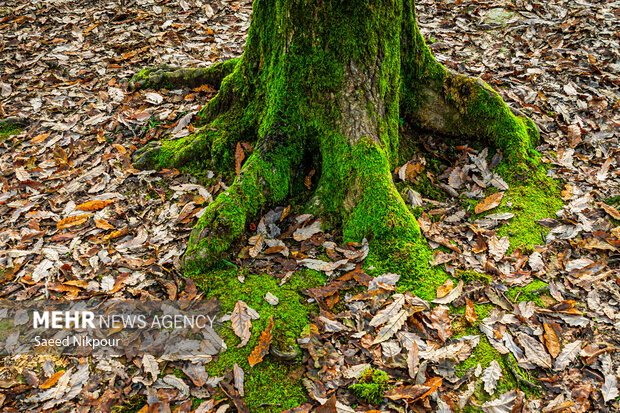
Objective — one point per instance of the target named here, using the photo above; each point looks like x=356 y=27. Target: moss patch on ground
x=7 y=129
x=412 y=262
x=536 y=291
x=371 y=386
x=273 y=382
x=529 y=201
x=483 y=354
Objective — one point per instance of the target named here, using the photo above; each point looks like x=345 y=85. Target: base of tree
x=331 y=96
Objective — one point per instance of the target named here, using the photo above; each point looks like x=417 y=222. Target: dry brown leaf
x=445 y=288
x=72 y=221
x=241 y=322
x=239 y=157
x=413 y=360
x=94 y=205
x=470 y=311
x=39 y=138
x=52 y=380
x=551 y=340
x=488 y=203
x=262 y=348
x=308 y=179
x=574 y=135
x=103 y=224
x=613 y=212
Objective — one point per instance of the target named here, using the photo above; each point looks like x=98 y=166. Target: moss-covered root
x=225 y=218
x=438 y=99
x=175 y=153
x=373 y=206
x=455 y=104
x=265 y=178
x=168 y=77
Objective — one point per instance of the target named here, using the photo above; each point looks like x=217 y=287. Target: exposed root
x=225 y=219
x=458 y=105
x=168 y=77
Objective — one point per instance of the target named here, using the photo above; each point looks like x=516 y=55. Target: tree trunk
x=329 y=81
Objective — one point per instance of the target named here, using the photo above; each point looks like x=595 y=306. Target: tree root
x=459 y=105
x=169 y=77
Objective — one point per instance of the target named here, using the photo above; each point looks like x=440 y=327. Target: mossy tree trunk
x=329 y=81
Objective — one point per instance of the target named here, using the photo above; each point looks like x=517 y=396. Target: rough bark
x=329 y=81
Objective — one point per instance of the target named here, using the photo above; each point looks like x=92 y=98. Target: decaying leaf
x=388 y=312
x=239 y=379
x=72 y=221
x=241 y=319
x=262 y=348
x=568 y=354
x=150 y=366
x=490 y=376
x=609 y=390
x=470 y=311
x=490 y=202
x=503 y=404
x=534 y=351
x=393 y=325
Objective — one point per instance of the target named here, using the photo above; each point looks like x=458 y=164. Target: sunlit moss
x=371 y=385
x=271 y=381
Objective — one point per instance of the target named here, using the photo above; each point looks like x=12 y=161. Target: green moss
x=471 y=275
x=411 y=262
x=534 y=291
x=130 y=405
x=270 y=381
x=371 y=385
x=530 y=201
x=7 y=129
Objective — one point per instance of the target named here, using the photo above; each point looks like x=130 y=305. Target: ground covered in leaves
x=520 y=311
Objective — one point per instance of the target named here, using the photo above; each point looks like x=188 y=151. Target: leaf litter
x=81 y=222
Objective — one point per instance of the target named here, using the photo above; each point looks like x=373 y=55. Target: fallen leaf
x=551 y=340
x=470 y=311
x=239 y=376
x=392 y=326
x=503 y=404
x=239 y=157
x=613 y=212
x=574 y=135
x=241 y=319
x=150 y=366
x=490 y=376
x=94 y=205
x=52 y=380
x=534 y=351
x=452 y=295
x=445 y=288
x=390 y=311
x=262 y=348
x=490 y=202
x=72 y=221
x=568 y=354
x=610 y=388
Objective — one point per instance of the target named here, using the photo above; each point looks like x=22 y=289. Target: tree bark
x=329 y=81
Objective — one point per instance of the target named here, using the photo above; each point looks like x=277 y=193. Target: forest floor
x=520 y=310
